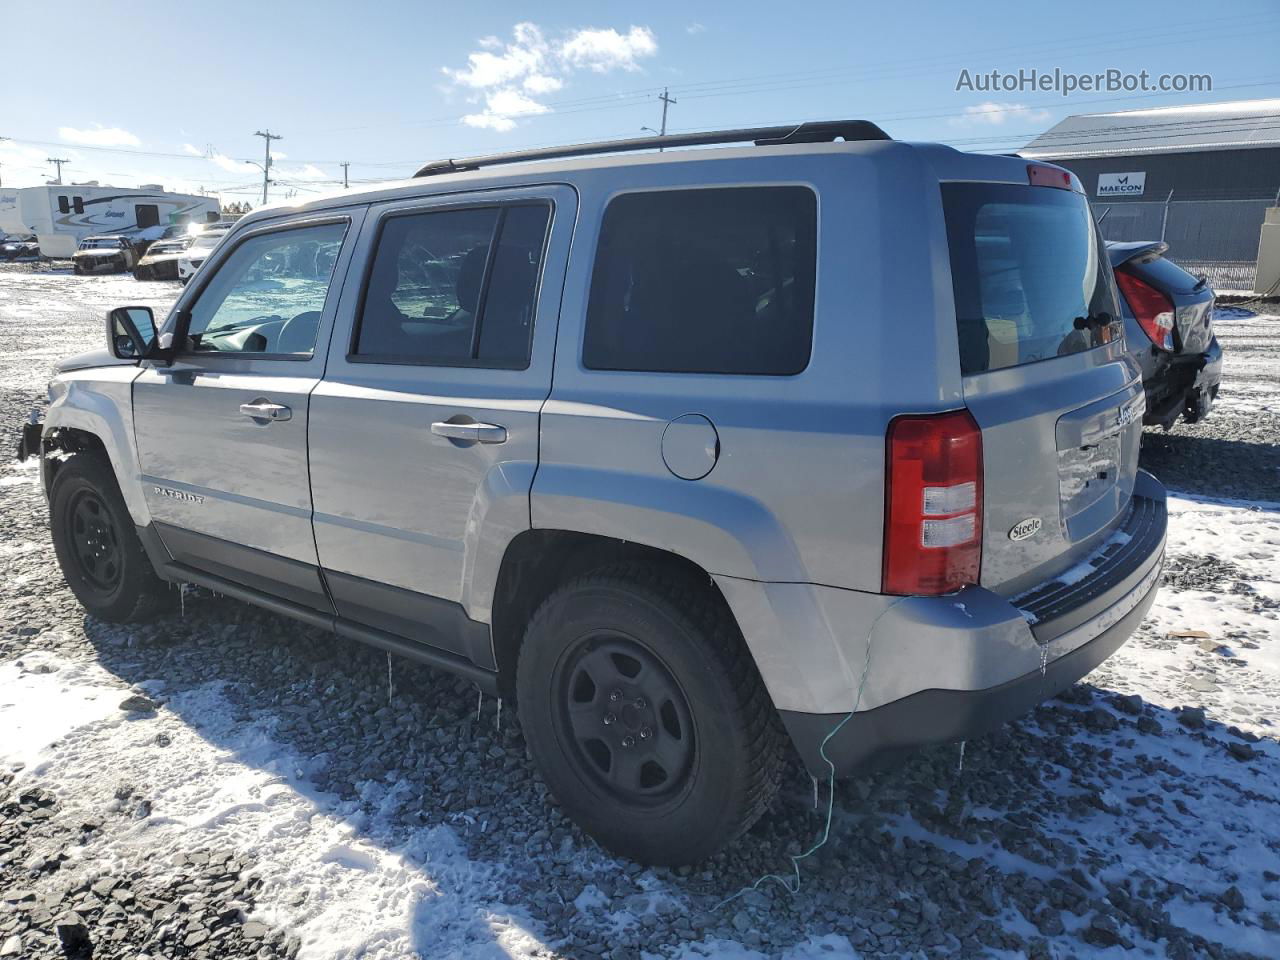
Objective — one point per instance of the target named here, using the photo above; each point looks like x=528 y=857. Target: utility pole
x=344 y=165
x=666 y=102
x=58 y=162
x=267 y=136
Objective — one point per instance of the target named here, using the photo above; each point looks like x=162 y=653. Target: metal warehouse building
x=1200 y=177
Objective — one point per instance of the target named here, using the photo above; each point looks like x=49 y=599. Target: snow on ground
x=226 y=783
x=403 y=820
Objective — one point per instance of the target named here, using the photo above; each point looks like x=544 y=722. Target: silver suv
x=822 y=439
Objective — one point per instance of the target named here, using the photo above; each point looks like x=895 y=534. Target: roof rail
x=822 y=131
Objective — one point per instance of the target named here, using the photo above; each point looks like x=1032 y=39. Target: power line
x=898 y=66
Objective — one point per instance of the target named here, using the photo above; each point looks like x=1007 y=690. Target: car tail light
x=933 y=504
x=1153 y=310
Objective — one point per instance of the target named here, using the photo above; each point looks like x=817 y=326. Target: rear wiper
x=1203 y=279
x=1100 y=319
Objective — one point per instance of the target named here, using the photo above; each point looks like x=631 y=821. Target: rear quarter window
x=704 y=281
x=1029 y=279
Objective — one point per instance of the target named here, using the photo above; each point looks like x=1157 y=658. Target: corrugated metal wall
x=1214 y=217
x=1203 y=175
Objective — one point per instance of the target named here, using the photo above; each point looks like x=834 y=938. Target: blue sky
x=172 y=93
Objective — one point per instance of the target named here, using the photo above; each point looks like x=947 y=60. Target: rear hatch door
x=1046 y=376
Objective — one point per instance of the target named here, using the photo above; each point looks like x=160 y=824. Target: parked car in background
x=628 y=437
x=105 y=254
x=1168 y=315
x=202 y=244
x=19 y=247
x=160 y=262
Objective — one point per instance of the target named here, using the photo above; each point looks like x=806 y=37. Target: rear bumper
x=1204 y=390
x=1184 y=385
x=873 y=738
x=955 y=667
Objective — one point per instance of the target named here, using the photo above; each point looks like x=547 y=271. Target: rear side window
x=455 y=287
x=1029 y=277
x=705 y=281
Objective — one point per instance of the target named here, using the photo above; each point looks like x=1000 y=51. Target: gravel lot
x=272 y=791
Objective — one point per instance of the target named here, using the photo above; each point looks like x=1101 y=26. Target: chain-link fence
x=1217 y=238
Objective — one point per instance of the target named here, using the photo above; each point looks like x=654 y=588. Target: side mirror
x=131 y=332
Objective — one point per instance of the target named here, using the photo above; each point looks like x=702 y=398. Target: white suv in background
x=200 y=248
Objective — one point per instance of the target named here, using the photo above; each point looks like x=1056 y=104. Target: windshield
x=1028 y=279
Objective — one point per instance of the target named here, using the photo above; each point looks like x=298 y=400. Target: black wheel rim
x=95 y=541
x=626 y=719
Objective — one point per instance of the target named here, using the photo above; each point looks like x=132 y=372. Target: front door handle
x=265 y=410
x=473 y=432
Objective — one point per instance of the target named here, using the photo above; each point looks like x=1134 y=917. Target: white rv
x=10 y=218
x=62 y=215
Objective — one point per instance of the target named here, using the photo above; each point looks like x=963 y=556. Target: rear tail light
x=933 y=504
x=1153 y=310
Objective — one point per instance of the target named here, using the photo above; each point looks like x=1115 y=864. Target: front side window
x=268 y=295
x=147 y=215
x=705 y=281
x=78 y=204
x=455 y=287
x=63 y=205
x=1031 y=281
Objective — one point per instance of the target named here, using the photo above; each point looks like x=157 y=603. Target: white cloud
x=508 y=77
x=193 y=150
x=489 y=121
x=993 y=114
x=695 y=28
x=523 y=57
x=307 y=172
x=541 y=83
x=605 y=50
x=226 y=163
x=99 y=136
x=501 y=106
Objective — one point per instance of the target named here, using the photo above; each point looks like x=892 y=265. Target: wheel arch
x=538 y=561
x=92 y=413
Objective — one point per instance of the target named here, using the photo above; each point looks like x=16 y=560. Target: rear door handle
x=265 y=410
x=473 y=432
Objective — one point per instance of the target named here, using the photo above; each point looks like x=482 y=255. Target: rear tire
x=646 y=716
x=102 y=559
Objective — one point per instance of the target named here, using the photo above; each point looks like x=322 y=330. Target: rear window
x=1029 y=282
x=1164 y=273
x=704 y=281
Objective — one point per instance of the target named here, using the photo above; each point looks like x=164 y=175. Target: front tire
x=645 y=714
x=102 y=559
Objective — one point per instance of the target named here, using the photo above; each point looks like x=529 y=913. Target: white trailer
x=62 y=215
x=10 y=218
